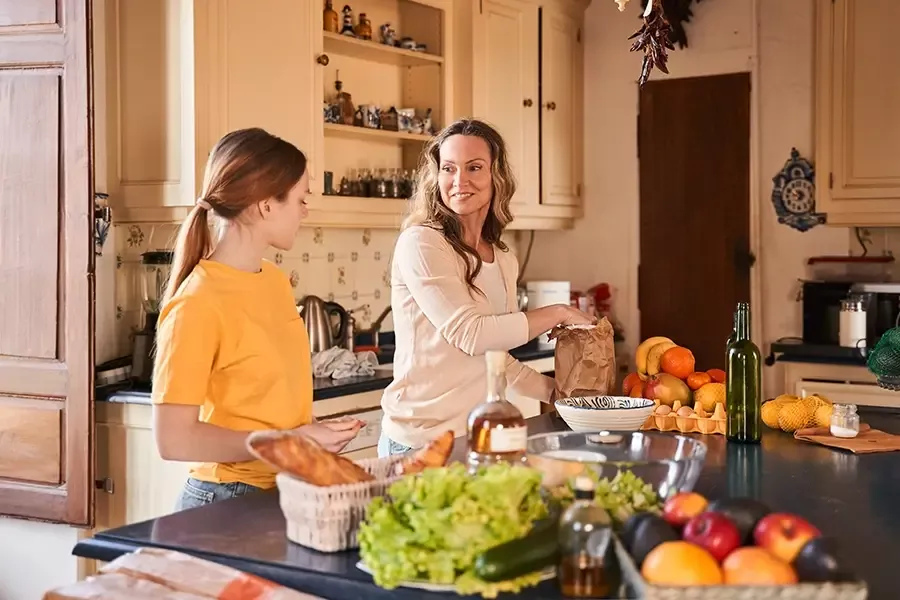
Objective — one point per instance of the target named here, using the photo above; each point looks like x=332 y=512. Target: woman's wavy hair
x=244 y=168
x=428 y=207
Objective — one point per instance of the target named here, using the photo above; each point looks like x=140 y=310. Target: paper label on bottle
x=509 y=439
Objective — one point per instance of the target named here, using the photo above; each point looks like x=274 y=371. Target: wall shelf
x=344 y=45
x=369 y=133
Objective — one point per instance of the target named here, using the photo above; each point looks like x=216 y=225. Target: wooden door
x=858 y=110
x=694 y=153
x=46 y=262
x=562 y=99
x=505 y=83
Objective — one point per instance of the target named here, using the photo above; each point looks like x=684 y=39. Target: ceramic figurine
x=364 y=28
x=390 y=120
x=388 y=35
x=426 y=123
x=329 y=18
x=347 y=29
x=359 y=117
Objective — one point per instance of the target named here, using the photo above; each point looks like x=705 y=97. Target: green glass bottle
x=743 y=383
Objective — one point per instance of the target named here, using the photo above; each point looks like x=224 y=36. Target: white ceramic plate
x=548 y=573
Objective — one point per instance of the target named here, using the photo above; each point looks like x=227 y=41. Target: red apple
x=784 y=535
x=713 y=532
x=682 y=507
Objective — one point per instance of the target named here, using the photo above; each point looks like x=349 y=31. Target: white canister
x=853 y=324
x=545 y=293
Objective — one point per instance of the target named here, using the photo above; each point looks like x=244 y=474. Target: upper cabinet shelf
x=367 y=133
x=344 y=45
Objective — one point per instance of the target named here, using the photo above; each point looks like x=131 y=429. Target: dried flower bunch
x=652 y=39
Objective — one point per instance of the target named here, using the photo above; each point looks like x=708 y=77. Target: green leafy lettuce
x=430 y=527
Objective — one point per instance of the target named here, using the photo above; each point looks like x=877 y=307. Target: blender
x=155 y=269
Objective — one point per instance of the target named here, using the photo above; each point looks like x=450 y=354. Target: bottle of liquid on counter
x=497 y=431
x=588 y=567
x=743 y=383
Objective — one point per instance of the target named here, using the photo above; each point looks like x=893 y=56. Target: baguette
x=305 y=459
x=115 y=586
x=435 y=454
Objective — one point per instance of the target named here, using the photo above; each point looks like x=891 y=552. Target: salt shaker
x=844 y=421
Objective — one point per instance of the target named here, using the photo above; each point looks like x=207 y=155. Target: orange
x=752 y=565
x=718 y=375
x=681 y=563
x=631 y=380
x=677 y=361
x=698 y=379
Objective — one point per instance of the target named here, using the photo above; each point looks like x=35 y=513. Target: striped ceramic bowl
x=598 y=413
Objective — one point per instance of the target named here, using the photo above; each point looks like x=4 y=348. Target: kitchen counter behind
x=323 y=388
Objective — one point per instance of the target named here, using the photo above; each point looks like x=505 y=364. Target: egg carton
x=693 y=423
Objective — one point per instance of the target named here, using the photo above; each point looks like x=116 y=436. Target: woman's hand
x=570 y=315
x=332 y=435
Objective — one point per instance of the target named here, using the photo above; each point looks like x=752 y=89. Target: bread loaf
x=305 y=459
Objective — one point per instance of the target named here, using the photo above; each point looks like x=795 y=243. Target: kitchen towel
x=868 y=441
x=340 y=363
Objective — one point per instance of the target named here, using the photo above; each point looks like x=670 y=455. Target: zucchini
x=536 y=551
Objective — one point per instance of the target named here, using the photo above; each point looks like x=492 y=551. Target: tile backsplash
x=349 y=266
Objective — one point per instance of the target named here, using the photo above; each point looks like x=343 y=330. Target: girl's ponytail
x=192 y=245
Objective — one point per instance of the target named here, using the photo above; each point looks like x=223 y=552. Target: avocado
x=745 y=513
x=649 y=533
x=629 y=528
x=820 y=560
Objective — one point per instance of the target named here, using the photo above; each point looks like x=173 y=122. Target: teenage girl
x=232 y=353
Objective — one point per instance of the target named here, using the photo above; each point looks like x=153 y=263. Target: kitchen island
x=850 y=497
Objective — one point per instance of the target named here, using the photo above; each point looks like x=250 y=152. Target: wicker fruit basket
x=637 y=587
x=684 y=419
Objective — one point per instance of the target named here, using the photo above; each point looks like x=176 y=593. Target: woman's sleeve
x=526 y=382
x=187 y=340
x=430 y=270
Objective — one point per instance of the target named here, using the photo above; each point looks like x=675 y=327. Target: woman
x=232 y=353
x=453 y=292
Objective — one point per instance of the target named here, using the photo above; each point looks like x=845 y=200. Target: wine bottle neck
x=742 y=325
x=496 y=391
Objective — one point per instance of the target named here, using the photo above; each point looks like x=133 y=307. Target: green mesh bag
x=884 y=359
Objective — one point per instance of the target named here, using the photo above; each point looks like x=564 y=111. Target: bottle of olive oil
x=743 y=383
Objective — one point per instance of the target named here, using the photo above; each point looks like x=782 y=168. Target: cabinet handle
x=550 y=105
x=527 y=102
x=322 y=60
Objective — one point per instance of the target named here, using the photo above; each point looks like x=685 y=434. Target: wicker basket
x=327 y=518
x=638 y=587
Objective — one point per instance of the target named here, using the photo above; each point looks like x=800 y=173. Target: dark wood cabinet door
x=46 y=262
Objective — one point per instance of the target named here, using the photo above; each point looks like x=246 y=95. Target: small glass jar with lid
x=844 y=421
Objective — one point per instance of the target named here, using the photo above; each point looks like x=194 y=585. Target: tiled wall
x=349 y=266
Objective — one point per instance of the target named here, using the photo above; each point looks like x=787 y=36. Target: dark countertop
x=850 y=497
x=323 y=388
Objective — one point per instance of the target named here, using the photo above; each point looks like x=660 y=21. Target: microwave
x=821 y=302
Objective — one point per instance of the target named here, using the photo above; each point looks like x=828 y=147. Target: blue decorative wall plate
x=794 y=194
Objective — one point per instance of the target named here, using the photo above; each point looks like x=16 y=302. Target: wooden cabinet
x=858 y=112
x=839 y=383
x=176 y=75
x=520 y=69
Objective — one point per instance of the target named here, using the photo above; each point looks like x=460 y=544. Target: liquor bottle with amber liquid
x=588 y=567
x=496 y=428
x=743 y=383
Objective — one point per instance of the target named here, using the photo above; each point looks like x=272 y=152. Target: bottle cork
x=496 y=361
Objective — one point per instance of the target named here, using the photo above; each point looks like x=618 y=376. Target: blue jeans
x=199 y=493
x=388 y=447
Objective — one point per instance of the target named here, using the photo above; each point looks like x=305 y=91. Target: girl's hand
x=332 y=435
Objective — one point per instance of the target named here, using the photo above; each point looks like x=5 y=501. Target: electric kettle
x=318 y=315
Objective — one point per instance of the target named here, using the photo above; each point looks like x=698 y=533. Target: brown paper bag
x=585 y=360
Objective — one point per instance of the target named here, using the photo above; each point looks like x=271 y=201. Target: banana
x=655 y=354
x=640 y=355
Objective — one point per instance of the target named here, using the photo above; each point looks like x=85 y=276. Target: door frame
x=756 y=200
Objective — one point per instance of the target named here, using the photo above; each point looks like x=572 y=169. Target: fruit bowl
x=670 y=463
x=593 y=413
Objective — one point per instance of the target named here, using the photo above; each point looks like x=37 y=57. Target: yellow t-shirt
x=232 y=343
